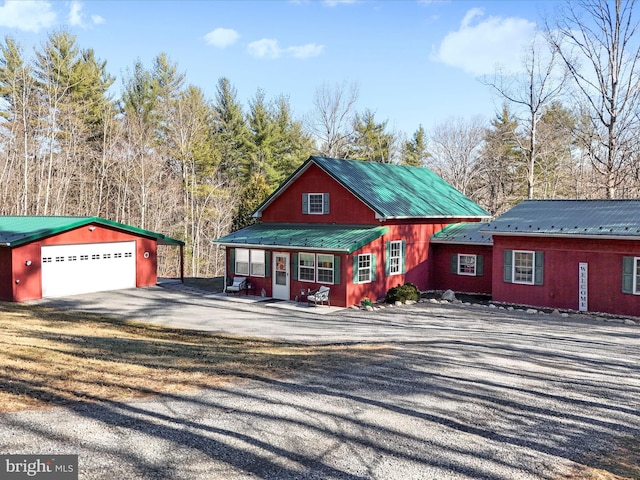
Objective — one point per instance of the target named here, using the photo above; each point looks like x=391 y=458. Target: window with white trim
x=325 y=268
x=257 y=263
x=636 y=283
x=316 y=202
x=523 y=267
x=242 y=261
x=395 y=257
x=364 y=268
x=466 y=264
x=306 y=265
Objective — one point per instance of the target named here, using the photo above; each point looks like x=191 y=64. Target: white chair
x=238 y=284
x=319 y=296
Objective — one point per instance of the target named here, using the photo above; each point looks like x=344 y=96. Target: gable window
x=315 y=203
x=306 y=262
x=242 y=261
x=524 y=267
x=364 y=268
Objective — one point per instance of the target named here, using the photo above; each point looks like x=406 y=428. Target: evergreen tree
x=414 y=151
x=371 y=142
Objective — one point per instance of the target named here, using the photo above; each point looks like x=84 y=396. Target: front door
x=281 y=276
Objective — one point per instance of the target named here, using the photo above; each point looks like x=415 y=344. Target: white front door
x=281 y=276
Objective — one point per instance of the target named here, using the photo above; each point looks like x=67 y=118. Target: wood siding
x=443 y=279
x=559 y=288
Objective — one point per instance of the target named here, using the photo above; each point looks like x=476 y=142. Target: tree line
x=164 y=157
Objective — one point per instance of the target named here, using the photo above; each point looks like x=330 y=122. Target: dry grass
x=618 y=463
x=50 y=357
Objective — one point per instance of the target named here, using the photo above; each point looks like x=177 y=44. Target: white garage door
x=84 y=268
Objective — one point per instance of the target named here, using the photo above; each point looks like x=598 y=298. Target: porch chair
x=237 y=285
x=319 y=296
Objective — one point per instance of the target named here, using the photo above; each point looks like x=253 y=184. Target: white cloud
x=75 y=14
x=333 y=3
x=27 y=15
x=222 y=37
x=97 y=19
x=479 y=48
x=270 y=48
x=265 y=48
x=306 y=51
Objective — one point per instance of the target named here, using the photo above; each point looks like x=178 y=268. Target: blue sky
x=415 y=62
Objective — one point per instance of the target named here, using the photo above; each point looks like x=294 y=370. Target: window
x=631 y=275
x=84 y=257
x=395 y=258
x=325 y=268
x=306 y=262
x=242 y=261
x=522 y=266
x=466 y=264
x=257 y=263
x=364 y=268
x=315 y=203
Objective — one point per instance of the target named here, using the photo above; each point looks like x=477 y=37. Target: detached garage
x=61 y=256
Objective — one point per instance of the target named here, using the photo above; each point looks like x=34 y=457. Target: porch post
x=181 y=263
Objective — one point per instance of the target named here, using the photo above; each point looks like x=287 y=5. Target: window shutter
x=355 y=269
x=627 y=274
x=325 y=203
x=336 y=270
x=538 y=273
x=232 y=261
x=387 y=259
x=479 y=265
x=294 y=266
x=403 y=254
x=508 y=263
x=305 y=203
x=453 y=263
x=267 y=263
x=373 y=267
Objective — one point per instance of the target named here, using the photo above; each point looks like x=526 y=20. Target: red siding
x=560 y=284
x=344 y=207
x=443 y=279
x=29 y=286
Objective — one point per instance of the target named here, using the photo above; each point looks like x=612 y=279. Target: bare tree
x=456 y=147
x=608 y=86
x=532 y=91
x=332 y=124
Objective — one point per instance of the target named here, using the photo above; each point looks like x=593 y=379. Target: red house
x=568 y=254
x=358 y=227
x=60 y=256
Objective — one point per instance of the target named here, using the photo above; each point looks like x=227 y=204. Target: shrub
x=402 y=293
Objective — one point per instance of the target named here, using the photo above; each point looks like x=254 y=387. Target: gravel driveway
x=466 y=392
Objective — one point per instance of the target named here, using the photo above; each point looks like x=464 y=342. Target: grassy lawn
x=50 y=357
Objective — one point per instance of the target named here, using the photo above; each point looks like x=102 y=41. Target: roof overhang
x=562 y=235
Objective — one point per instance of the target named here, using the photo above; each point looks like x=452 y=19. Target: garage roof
x=319 y=237
x=467 y=233
x=570 y=218
x=19 y=230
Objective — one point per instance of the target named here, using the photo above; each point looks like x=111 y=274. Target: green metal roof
x=392 y=191
x=465 y=232
x=317 y=237
x=19 y=230
x=571 y=218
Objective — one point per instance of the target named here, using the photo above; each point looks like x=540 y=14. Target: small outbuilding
x=58 y=256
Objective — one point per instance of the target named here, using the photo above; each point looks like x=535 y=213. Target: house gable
x=344 y=206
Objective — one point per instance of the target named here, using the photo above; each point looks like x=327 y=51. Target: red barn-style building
x=568 y=254
x=60 y=256
x=357 y=227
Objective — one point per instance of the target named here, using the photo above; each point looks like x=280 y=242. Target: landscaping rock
x=491 y=305
x=511 y=309
x=532 y=310
x=628 y=321
x=409 y=302
x=564 y=315
x=368 y=308
x=449 y=296
x=433 y=300
x=398 y=303
x=556 y=311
